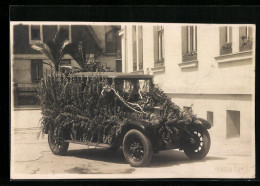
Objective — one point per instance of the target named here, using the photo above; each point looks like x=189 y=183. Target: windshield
x=133 y=89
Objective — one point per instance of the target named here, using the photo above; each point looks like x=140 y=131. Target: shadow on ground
x=173 y=157
x=99 y=155
x=163 y=159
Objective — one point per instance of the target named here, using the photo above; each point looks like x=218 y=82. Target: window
x=245 y=38
x=225 y=35
x=65 y=31
x=111 y=41
x=159 y=45
x=140 y=47
x=35 y=33
x=36 y=70
x=134 y=49
x=233 y=123
x=189 y=43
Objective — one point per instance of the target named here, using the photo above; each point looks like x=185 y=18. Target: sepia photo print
x=95 y=100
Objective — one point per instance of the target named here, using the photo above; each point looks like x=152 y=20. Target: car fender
x=143 y=126
x=203 y=123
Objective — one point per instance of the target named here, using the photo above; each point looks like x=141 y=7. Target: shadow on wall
x=190 y=69
x=236 y=63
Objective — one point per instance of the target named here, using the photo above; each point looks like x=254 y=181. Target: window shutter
x=162 y=44
x=156 y=42
x=250 y=31
x=191 y=38
x=196 y=35
x=184 y=39
x=140 y=48
x=222 y=36
x=242 y=31
x=230 y=34
x=134 y=48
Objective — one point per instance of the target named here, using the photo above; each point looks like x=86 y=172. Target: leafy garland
x=93 y=111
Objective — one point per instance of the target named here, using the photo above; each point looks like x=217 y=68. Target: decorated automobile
x=113 y=110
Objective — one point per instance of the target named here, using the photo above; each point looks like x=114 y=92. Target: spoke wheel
x=199 y=144
x=137 y=148
x=56 y=142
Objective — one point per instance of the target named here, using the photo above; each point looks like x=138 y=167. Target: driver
x=135 y=92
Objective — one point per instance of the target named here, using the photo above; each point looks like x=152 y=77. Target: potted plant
x=189 y=56
x=246 y=43
x=226 y=48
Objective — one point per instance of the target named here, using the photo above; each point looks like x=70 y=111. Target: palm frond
x=44 y=48
x=62 y=51
x=78 y=52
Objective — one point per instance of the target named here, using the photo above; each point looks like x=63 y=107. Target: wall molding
x=238 y=56
x=158 y=69
x=188 y=64
x=34 y=56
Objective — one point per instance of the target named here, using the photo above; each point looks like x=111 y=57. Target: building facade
x=208 y=67
x=28 y=65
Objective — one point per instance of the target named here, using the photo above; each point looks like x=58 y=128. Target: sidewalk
x=24 y=118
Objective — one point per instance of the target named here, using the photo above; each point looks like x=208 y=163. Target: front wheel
x=56 y=142
x=199 y=143
x=137 y=149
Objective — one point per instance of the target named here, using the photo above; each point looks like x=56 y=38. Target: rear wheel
x=56 y=142
x=137 y=149
x=199 y=143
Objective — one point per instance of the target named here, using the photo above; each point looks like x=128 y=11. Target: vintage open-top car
x=112 y=109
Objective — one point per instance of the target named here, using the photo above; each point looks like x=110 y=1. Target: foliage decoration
x=94 y=111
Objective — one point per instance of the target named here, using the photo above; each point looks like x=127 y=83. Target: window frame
x=190 y=53
x=69 y=30
x=114 y=42
x=226 y=48
x=32 y=41
x=159 y=46
x=140 y=47
x=134 y=47
x=249 y=39
x=37 y=62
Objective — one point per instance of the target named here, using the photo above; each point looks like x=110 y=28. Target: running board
x=88 y=143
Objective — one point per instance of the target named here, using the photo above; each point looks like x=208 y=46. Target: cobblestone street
x=32 y=158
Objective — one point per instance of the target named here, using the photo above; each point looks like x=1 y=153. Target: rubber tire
x=63 y=148
x=148 y=149
x=205 y=148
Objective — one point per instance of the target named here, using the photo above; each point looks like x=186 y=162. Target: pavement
x=31 y=158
